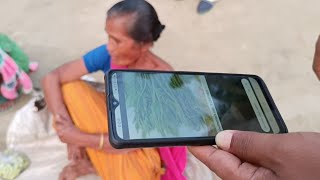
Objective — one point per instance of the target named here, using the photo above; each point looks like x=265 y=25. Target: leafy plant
x=162 y=102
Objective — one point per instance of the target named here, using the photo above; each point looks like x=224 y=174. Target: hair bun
x=157 y=31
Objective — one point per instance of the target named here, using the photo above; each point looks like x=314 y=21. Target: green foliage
x=164 y=103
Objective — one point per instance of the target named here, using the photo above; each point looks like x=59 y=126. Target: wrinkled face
x=123 y=49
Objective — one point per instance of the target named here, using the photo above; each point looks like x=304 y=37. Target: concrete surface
x=273 y=39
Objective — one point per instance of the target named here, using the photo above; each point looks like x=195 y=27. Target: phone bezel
x=120 y=143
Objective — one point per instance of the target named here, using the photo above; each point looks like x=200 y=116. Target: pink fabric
x=174 y=158
x=113 y=66
x=13 y=77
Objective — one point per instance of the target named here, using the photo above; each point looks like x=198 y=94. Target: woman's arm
x=52 y=82
x=51 y=85
x=67 y=132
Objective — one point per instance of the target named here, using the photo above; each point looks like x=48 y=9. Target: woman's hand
x=70 y=134
x=66 y=130
x=76 y=153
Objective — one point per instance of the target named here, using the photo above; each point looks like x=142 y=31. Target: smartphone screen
x=152 y=105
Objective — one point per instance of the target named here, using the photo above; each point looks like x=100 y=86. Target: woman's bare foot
x=77 y=169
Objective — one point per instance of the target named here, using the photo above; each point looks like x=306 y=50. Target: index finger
x=217 y=160
x=224 y=164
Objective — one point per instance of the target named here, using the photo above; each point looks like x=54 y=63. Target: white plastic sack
x=29 y=125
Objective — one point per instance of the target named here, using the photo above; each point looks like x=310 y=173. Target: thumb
x=58 y=119
x=256 y=148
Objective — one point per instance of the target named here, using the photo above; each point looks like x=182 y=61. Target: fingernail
x=223 y=139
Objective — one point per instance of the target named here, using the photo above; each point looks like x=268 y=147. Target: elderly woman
x=80 y=114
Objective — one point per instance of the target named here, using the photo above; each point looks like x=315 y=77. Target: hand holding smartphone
x=161 y=108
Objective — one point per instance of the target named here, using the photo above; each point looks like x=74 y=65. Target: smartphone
x=161 y=108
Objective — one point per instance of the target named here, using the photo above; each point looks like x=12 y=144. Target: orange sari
x=87 y=108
